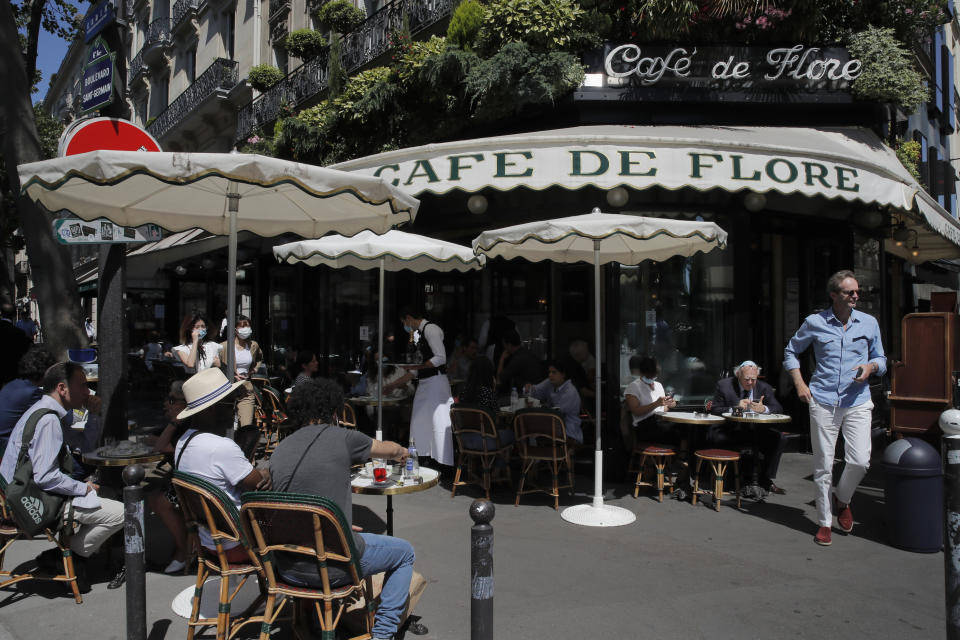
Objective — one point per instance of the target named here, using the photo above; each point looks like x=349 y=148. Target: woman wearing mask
x=247 y=356
x=195 y=351
x=645 y=398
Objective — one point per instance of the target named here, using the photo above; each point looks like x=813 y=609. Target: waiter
x=430 y=421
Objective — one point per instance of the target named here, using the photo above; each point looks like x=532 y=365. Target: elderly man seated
x=746 y=391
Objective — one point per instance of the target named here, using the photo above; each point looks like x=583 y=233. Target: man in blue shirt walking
x=847 y=347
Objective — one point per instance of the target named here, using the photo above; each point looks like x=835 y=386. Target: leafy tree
x=465 y=24
x=52 y=267
x=264 y=76
x=341 y=16
x=543 y=25
x=889 y=74
x=306 y=44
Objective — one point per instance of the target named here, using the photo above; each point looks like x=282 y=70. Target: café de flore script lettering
x=797 y=62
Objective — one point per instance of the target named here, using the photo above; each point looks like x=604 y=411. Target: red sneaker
x=844 y=516
x=823 y=537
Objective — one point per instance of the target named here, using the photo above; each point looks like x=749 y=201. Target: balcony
x=136 y=69
x=156 y=40
x=358 y=48
x=278 y=9
x=220 y=77
x=184 y=13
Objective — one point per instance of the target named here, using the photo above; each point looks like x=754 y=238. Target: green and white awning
x=844 y=164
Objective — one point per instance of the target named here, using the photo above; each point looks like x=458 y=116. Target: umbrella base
x=602 y=515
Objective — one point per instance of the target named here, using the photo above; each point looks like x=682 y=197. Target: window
x=280 y=58
x=229 y=37
x=191 y=65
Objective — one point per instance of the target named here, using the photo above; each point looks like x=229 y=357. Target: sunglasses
x=851 y=292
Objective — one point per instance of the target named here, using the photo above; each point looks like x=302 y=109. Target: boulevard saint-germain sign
x=790 y=73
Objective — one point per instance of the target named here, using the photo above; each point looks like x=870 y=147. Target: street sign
x=102 y=231
x=96 y=19
x=98 y=74
x=115 y=134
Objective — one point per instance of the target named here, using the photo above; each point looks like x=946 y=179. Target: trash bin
x=914 y=495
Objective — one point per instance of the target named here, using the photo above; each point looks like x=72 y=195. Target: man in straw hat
x=315 y=459
x=216 y=459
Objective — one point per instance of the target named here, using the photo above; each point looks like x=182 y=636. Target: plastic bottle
x=411 y=471
x=514 y=398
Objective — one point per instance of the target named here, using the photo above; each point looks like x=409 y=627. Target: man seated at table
x=558 y=392
x=64 y=389
x=315 y=459
x=746 y=391
x=518 y=365
x=22 y=392
x=218 y=460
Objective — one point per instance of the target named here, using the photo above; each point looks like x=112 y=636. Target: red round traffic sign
x=97 y=134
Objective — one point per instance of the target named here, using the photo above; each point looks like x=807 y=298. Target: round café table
x=391 y=487
x=753 y=490
x=97 y=460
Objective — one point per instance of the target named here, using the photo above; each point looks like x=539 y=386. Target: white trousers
x=826 y=423
x=96 y=525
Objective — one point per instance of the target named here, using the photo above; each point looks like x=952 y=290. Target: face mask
x=203 y=333
x=647 y=380
x=244 y=332
x=407 y=329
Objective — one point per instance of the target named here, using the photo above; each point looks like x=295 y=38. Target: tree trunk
x=50 y=261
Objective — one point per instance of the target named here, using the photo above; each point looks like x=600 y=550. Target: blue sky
x=50 y=52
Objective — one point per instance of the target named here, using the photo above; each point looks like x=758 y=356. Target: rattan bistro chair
x=477 y=437
x=312 y=528
x=347 y=416
x=205 y=505
x=272 y=417
x=10 y=533
x=542 y=439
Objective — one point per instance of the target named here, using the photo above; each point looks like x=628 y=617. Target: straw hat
x=205 y=389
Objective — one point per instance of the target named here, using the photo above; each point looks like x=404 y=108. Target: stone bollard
x=481 y=571
x=133 y=545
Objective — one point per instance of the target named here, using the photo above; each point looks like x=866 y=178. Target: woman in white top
x=645 y=398
x=196 y=353
x=248 y=356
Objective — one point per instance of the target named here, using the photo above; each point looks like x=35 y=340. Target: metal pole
x=380 y=361
x=481 y=570
x=133 y=544
x=233 y=206
x=598 y=453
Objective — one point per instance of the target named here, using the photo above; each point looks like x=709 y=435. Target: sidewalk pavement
x=679 y=571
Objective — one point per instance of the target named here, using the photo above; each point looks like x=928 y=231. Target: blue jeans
x=395 y=557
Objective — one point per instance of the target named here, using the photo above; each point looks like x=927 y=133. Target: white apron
x=430 y=420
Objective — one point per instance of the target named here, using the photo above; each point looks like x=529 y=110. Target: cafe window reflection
x=677 y=311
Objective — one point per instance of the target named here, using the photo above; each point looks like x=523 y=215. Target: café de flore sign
x=98 y=75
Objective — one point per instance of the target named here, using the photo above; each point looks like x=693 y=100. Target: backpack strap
x=176 y=463
x=64 y=458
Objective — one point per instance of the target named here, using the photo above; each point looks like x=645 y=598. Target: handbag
x=32 y=508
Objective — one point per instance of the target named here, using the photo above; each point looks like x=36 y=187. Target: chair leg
x=268 y=616
x=556 y=490
x=523 y=477
x=223 y=609
x=736 y=480
x=70 y=572
x=456 y=479
x=659 y=462
x=636 y=485
x=486 y=476
x=195 y=607
x=696 y=482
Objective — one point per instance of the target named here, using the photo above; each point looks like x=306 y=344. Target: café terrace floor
x=679 y=571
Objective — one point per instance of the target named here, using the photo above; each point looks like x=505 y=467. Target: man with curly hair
x=20 y=393
x=315 y=459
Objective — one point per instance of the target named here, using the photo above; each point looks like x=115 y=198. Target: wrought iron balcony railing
x=278 y=8
x=181 y=10
x=158 y=32
x=358 y=48
x=135 y=68
x=220 y=75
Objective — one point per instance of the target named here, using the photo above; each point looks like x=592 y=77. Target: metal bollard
x=133 y=545
x=481 y=571
x=950 y=454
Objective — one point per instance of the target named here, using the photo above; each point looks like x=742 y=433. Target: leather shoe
x=844 y=516
x=118 y=579
x=823 y=537
x=773 y=488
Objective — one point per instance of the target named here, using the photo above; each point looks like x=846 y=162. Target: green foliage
x=305 y=44
x=263 y=76
x=336 y=73
x=350 y=104
x=664 y=19
x=259 y=143
x=517 y=77
x=413 y=57
x=341 y=16
x=542 y=25
x=908 y=152
x=49 y=130
x=889 y=74
x=465 y=24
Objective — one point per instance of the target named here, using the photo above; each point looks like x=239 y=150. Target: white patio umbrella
x=600 y=238
x=185 y=190
x=392 y=251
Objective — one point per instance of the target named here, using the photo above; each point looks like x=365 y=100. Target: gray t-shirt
x=325 y=469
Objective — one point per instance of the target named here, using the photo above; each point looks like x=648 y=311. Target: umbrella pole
x=380 y=360
x=233 y=206
x=598 y=453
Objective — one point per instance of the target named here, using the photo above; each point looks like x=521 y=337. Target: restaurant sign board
x=794 y=72
x=102 y=231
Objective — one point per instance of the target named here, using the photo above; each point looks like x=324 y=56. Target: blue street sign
x=97 y=89
x=96 y=51
x=96 y=19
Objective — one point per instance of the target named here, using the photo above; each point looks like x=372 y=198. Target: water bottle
x=514 y=399
x=412 y=470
